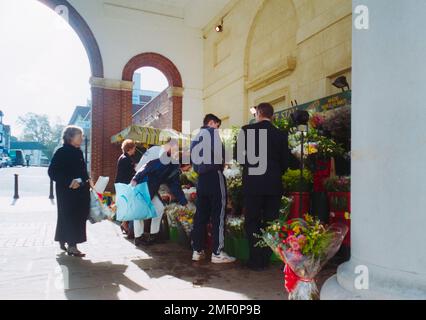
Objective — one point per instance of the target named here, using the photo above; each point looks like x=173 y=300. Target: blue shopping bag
x=133 y=203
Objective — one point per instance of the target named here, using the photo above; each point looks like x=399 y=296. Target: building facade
x=274 y=51
x=32 y=150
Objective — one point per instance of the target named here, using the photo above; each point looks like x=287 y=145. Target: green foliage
x=284 y=124
x=37 y=127
x=293 y=182
x=327 y=147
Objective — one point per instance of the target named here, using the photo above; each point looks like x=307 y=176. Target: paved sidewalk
x=33 y=267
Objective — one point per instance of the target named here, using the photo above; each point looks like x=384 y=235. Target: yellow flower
x=347 y=216
x=312 y=149
x=296 y=229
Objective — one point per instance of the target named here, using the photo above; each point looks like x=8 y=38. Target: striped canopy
x=146 y=135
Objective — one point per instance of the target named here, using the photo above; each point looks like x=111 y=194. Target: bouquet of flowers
x=189 y=178
x=101 y=207
x=234 y=184
x=315 y=144
x=180 y=215
x=285 y=206
x=190 y=194
x=235 y=226
x=304 y=245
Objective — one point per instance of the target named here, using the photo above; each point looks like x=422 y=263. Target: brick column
x=96 y=132
x=176 y=100
x=111 y=113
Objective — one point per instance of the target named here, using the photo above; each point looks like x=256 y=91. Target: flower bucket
x=229 y=245
x=294 y=209
x=339 y=201
x=183 y=238
x=241 y=248
x=173 y=234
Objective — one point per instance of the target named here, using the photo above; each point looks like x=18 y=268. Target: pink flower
x=295 y=246
x=302 y=240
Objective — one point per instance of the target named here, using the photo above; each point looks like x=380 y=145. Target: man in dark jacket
x=207 y=157
x=262 y=149
x=157 y=172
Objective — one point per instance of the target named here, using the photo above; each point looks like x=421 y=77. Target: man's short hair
x=211 y=117
x=266 y=110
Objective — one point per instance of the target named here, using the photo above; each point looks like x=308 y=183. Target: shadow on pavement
x=172 y=260
x=86 y=280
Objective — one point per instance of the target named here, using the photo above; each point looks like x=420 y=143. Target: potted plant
x=338 y=190
x=298 y=188
x=338 y=124
x=236 y=243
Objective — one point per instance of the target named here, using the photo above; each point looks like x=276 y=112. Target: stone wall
x=274 y=51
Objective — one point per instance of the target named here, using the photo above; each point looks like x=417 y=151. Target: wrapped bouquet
x=180 y=215
x=304 y=245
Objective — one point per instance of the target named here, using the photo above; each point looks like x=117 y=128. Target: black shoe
x=73 y=251
x=62 y=246
x=139 y=241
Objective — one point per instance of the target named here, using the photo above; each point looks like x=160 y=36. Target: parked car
x=5 y=162
x=17 y=157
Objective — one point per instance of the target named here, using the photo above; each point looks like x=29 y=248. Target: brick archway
x=170 y=71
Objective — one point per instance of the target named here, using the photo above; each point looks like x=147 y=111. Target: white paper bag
x=101 y=184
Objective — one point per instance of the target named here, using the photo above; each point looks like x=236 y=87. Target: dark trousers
x=259 y=210
x=211 y=205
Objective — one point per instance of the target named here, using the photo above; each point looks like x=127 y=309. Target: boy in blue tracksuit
x=207 y=157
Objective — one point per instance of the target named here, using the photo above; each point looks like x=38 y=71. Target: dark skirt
x=73 y=211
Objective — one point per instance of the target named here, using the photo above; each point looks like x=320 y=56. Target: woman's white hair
x=70 y=132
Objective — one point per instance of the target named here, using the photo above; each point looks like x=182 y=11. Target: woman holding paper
x=68 y=169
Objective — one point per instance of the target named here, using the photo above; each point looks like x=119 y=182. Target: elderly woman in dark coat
x=68 y=169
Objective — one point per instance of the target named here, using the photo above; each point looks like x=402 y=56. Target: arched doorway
x=82 y=29
x=174 y=79
x=80 y=26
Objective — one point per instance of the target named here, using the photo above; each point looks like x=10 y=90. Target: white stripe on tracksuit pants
x=211 y=206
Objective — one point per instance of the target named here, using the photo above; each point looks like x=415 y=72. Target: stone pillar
x=389 y=152
x=111 y=112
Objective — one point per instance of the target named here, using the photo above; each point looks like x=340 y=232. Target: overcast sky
x=44 y=67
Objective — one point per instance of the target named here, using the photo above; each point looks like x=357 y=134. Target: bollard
x=51 y=196
x=16 y=195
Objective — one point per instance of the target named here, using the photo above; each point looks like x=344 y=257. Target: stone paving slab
x=33 y=267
